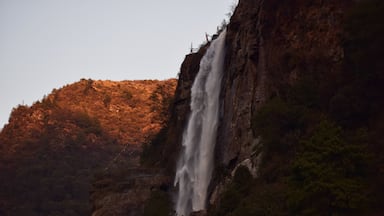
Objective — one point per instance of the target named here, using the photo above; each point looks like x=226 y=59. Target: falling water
x=196 y=163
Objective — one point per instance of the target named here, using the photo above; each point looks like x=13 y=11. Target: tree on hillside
x=328 y=173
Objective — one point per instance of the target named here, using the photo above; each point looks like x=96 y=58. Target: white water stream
x=195 y=166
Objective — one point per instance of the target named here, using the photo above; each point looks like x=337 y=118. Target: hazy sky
x=45 y=44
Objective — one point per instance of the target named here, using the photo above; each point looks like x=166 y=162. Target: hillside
x=51 y=150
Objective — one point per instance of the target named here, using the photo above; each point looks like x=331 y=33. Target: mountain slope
x=51 y=150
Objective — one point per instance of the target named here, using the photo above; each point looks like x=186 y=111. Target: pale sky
x=45 y=44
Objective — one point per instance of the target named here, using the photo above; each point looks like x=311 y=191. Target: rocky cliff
x=270 y=45
x=290 y=71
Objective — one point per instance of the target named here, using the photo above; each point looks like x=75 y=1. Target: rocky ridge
x=50 y=151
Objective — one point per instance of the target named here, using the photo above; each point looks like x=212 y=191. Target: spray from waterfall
x=195 y=166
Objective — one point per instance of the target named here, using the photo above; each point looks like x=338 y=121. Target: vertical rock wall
x=243 y=84
x=269 y=45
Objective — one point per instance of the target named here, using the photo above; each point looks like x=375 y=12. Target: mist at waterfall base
x=195 y=166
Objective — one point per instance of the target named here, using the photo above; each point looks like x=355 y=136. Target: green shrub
x=326 y=174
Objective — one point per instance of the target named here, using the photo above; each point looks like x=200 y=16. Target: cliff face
x=270 y=45
x=293 y=79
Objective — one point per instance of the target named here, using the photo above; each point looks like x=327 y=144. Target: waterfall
x=195 y=166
